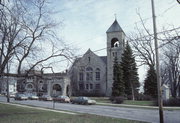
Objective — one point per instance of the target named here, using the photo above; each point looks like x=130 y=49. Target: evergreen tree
x=130 y=74
x=118 y=84
x=150 y=83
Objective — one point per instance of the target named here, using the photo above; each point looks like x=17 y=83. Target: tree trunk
x=132 y=89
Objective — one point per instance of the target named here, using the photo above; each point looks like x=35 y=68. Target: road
x=148 y=115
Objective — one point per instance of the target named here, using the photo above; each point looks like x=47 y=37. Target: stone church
x=89 y=75
x=92 y=75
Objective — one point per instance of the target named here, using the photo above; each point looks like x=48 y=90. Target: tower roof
x=115 y=27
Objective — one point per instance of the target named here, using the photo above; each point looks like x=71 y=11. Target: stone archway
x=29 y=87
x=56 y=90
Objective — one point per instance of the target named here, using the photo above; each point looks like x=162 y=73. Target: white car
x=33 y=97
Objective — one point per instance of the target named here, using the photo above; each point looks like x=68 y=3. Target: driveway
x=148 y=115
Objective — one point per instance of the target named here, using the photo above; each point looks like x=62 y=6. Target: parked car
x=20 y=97
x=33 y=97
x=12 y=95
x=46 y=98
x=83 y=100
x=64 y=99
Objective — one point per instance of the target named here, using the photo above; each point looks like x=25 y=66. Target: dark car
x=83 y=100
x=20 y=97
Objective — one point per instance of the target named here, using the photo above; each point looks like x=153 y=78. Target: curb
x=45 y=109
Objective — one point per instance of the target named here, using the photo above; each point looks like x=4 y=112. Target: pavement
x=130 y=113
x=139 y=106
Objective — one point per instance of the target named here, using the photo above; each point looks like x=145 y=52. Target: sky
x=85 y=22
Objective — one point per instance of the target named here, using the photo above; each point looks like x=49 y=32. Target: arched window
x=97 y=74
x=29 y=86
x=89 y=74
x=57 y=87
x=114 y=42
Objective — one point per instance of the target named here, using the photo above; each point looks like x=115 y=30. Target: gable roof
x=104 y=59
x=115 y=27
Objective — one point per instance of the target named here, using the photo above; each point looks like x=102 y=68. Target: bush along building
x=92 y=75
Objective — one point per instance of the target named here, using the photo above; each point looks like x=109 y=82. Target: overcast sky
x=85 y=22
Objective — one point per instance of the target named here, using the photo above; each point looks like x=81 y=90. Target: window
x=87 y=86
x=81 y=76
x=91 y=86
x=89 y=59
x=81 y=87
x=97 y=86
x=89 y=74
x=97 y=74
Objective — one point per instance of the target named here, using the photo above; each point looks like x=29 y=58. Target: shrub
x=118 y=100
x=169 y=102
x=129 y=97
x=111 y=98
x=143 y=97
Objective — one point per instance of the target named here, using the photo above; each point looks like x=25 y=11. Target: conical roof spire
x=115 y=27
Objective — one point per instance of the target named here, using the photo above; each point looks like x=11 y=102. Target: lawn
x=128 y=102
x=101 y=99
x=142 y=103
x=16 y=114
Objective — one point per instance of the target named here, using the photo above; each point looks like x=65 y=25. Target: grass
x=101 y=99
x=141 y=103
x=16 y=114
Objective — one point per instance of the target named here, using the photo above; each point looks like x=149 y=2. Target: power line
x=105 y=48
x=145 y=19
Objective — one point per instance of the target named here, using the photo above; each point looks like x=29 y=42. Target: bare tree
x=27 y=34
x=143 y=46
x=171 y=66
x=169 y=40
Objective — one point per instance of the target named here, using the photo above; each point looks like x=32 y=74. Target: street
x=148 y=115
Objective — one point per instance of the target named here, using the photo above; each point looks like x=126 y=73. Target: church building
x=92 y=75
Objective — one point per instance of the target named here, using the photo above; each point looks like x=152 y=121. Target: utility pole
x=157 y=66
x=8 y=99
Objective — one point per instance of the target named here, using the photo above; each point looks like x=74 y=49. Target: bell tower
x=115 y=48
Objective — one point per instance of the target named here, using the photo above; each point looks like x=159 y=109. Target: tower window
x=114 y=42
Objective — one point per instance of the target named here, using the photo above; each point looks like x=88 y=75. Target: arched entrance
x=57 y=90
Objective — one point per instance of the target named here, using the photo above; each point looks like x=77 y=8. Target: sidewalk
x=45 y=109
x=138 y=106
